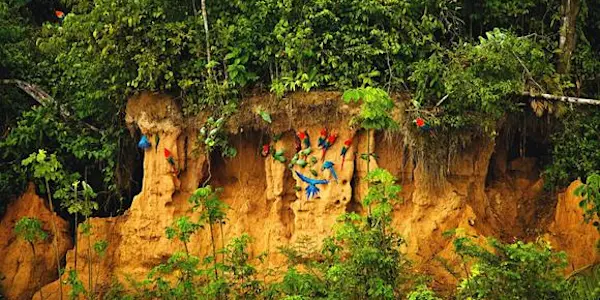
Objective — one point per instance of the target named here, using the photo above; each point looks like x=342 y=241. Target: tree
x=569 y=10
x=212 y=211
x=49 y=169
x=511 y=271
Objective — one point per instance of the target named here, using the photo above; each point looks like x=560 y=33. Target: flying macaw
x=322 y=137
x=266 y=149
x=329 y=166
x=60 y=15
x=311 y=190
x=345 y=148
x=171 y=161
x=328 y=143
x=144 y=143
x=423 y=125
x=304 y=138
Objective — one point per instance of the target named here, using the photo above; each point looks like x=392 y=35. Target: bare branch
x=567 y=99
x=43 y=98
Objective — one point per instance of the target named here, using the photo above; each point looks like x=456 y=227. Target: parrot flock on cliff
x=303 y=158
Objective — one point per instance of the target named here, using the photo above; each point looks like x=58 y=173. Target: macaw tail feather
x=311 y=191
x=343 y=160
x=171 y=161
x=323 y=154
x=333 y=174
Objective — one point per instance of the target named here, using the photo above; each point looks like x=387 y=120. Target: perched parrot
x=266 y=149
x=60 y=15
x=301 y=162
x=423 y=125
x=328 y=143
x=304 y=153
x=144 y=143
x=322 y=137
x=329 y=166
x=304 y=138
x=278 y=155
x=311 y=189
x=345 y=148
x=171 y=161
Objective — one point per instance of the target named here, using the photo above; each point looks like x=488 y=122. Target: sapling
x=212 y=212
x=182 y=230
x=49 y=169
x=87 y=208
x=30 y=230
x=374 y=113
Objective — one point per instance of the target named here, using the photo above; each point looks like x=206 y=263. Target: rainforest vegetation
x=468 y=67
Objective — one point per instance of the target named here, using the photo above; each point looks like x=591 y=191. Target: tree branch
x=567 y=99
x=43 y=98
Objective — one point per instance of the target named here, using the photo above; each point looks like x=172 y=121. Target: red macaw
x=345 y=148
x=423 y=125
x=322 y=137
x=266 y=149
x=171 y=161
x=304 y=138
x=328 y=143
x=60 y=15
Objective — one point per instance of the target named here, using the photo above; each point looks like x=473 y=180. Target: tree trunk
x=55 y=242
x=207 y=35
x=569 y=10
x=33 y=268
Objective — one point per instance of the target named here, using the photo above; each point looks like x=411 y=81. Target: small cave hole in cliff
x=354 y=206
x=522 y=147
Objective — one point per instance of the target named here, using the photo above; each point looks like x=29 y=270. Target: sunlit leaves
x=30 y=230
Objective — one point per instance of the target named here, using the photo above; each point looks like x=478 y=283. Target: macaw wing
x=311 y=180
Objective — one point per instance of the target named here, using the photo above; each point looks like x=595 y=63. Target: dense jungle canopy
x=466 y=66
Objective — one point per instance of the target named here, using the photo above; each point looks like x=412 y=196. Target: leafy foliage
x=30 y=230
x=361 y=261
x=375 y=108
x=590 y=202
x=574 y=152
x=511 y=271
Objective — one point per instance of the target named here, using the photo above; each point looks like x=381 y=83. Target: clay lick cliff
x=268 y=201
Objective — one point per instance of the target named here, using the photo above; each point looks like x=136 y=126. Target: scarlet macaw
x=144 y=143
x=266 y=149
x=328 y=143
x=345 y=148
x=60 y=15
x=322 y=137
x=171 y=161
x=329 y=166
x=423 y=125
x=311 y=190
x=304 y=138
